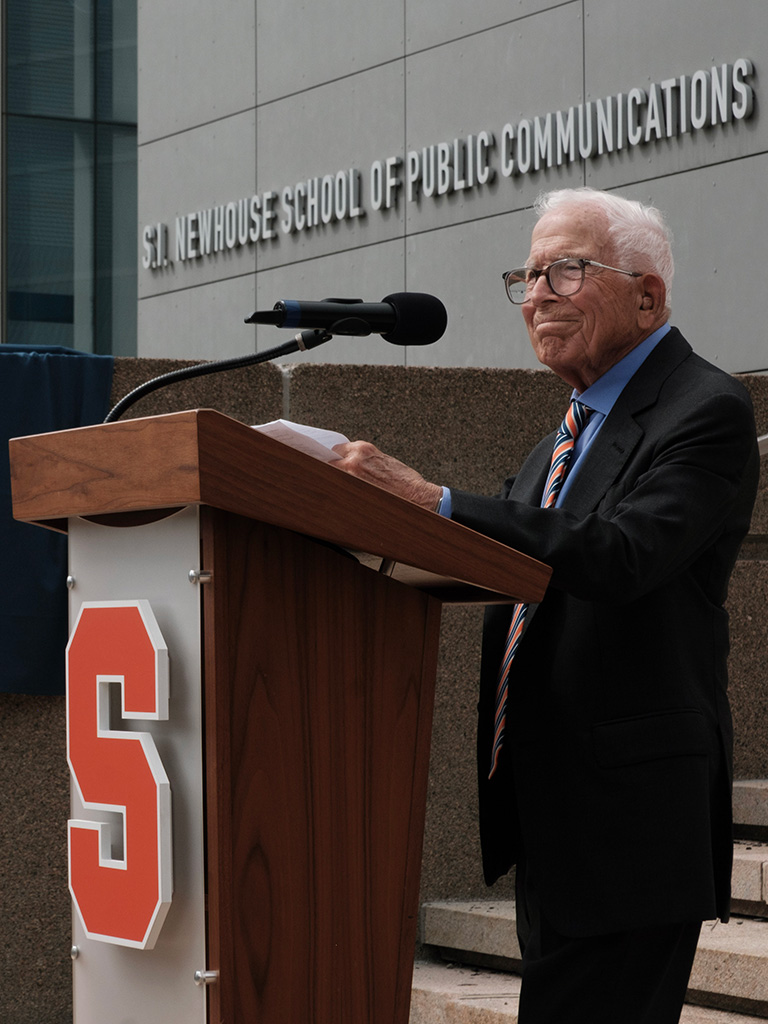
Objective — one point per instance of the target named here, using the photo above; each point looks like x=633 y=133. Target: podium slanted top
x=136 y=468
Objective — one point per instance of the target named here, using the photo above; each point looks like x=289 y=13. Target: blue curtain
x=41 y=389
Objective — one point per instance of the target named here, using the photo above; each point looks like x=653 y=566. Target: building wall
x=256 y=96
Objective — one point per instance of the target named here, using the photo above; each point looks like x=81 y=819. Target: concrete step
x=750 y=861
x=450 y=994
x=730 y=972
x=749 y=881
x=750 y=808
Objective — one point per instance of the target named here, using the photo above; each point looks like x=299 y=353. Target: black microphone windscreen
x=421 y=318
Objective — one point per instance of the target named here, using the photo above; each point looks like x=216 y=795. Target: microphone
x=405 y=318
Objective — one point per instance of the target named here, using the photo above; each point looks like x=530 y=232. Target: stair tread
x=730 y=970
x=740 y=935
x=449 y=994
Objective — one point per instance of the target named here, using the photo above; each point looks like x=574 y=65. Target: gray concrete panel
x=428 y=26
x=198 y=323
x=345 y=125
x=747 y=596
x=197 y=63
x=197 y=170
x=301 y=45
x=698 y=38
x=35 y=925
x=370 y=274
x=484 y=83
x=336 y=92
x=463 y=266
x=721 y=253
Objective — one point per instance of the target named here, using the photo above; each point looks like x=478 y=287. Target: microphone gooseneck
x=403 y=318
x=303 y=341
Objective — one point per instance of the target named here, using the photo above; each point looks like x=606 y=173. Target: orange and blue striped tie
x=570 y=428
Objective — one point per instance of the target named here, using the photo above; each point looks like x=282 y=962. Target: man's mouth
x=544 y=320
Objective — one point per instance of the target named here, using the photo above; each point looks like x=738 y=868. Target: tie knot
x=575 y=418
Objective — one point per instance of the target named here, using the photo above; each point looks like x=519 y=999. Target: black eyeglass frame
x=522 y=275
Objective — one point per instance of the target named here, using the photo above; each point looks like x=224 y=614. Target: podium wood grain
x=319 y=694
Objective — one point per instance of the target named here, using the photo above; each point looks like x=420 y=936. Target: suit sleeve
x=684 y=488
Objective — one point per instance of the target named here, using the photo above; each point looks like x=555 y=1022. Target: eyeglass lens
x=564 y=277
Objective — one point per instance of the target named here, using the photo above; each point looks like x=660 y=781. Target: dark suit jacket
x=615 y=776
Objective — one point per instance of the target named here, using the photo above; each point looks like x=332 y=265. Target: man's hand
x=364 y=460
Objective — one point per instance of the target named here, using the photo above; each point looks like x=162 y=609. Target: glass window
x=71 y=169
x=116 y=61
x=49 y=54
x=50 y=227
x=116 y=219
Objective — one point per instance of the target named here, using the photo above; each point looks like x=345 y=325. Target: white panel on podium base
x=116 y=984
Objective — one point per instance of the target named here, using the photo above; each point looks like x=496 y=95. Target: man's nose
x=541 y=290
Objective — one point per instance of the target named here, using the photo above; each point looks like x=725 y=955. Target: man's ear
x=653 y=298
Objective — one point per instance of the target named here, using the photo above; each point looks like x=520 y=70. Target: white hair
x=639 y=236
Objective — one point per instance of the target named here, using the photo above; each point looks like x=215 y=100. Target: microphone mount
x=347 y=326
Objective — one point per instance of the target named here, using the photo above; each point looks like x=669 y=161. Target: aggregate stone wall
x=465 y=427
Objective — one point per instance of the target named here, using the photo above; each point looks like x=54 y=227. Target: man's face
x=582 y=336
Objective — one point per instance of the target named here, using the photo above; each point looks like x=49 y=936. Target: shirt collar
x=601 y=396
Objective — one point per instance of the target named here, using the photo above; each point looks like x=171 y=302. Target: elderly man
x=604 y=738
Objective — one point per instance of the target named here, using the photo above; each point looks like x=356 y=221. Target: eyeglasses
x=565 y=277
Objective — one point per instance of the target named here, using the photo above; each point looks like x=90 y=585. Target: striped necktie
x=570 y=428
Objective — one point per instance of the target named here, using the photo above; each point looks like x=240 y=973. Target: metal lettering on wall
x=665 y=110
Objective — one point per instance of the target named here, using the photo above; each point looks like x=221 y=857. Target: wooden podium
x=318 y=614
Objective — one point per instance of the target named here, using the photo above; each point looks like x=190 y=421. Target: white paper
x=311 y=440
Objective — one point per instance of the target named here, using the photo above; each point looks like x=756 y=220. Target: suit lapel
x=617 y=439
x=606 y=458
x=621 y=433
